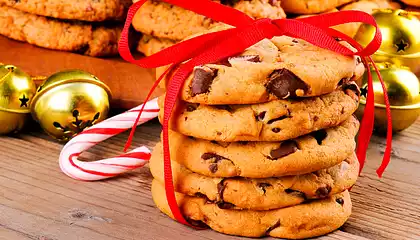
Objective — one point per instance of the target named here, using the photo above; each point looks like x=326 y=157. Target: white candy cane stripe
x=111 y=167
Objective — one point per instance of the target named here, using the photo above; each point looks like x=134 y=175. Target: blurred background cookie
x=88 y=39
x=86 y=10
x=169 y=24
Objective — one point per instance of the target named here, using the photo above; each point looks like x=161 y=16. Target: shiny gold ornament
x=400 y=38
x=16 y=92
x=403 y=89
x=70 y=101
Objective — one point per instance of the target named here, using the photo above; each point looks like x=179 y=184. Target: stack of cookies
x=262 y=144
x=163 y=24
x=88 y=27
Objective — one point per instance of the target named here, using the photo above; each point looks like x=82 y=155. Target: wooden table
x=37 y=201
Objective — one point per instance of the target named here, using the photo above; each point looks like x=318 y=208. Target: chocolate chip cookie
x=259 y=194
x=86 y=10
x=272 y=121
x=163 y=20
x=318 y=150
x=279 y=68
x=149 y=45
x=312 y=219
x=92 y=40
x=311 y=6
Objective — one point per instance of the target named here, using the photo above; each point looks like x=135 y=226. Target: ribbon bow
x=216 y=46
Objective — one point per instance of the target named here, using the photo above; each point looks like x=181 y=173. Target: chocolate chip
x=83 y=49
x=203 y=78
x=351 y=86
x=213 y=167
x=319 y=135
x=225 y=205
x=341 y=82
x=286 y=148
x=284 y=83
x=197 y=223
x=219 y=133
x=207 y=156
x=295 y=193
x=261 y=116
x=316 y=118
x=200 y=195
x=295 y=41
x=192 y=107
x=191 y=137
x=248 y=58
x=276 y=130
x=186 y=118
x=272 y=227
x=340 y=201
x=229 y=2
x=358 y=60
x=224 y=107
x=221 y=188
x=263 y=186
x=323 y=192
x=277 y=119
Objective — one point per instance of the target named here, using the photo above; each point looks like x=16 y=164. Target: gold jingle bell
x=403 y=89
x=16 y=92
x=400 y=38
x=70 y=101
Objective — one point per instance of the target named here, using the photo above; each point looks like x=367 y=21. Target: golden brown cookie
x=307 y=220
x=149 y=45
x=315 y=151
x=311 y=6
x=263 y=193
x=163 y=20
x=86 y=10
x=272 y=121
x=92 y=40
x=271 y=69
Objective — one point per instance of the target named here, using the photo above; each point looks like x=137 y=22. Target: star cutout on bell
x=401 y=46
x=364 y=91
x=24 y=101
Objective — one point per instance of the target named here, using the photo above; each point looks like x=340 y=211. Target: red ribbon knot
x=216 y=46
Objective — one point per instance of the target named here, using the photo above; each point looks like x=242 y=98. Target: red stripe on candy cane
x=111 y=167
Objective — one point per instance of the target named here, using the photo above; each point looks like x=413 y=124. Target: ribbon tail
x=388 y=149
x=366 y=127
x=133 y=129
x=170 y=100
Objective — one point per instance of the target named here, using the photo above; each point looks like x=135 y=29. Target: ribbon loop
x=216 y=46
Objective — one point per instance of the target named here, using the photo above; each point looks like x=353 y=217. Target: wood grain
x=37 y=201
x=129 y=83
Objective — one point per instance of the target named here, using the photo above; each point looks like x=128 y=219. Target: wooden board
x=37 y=201
x=129 y=83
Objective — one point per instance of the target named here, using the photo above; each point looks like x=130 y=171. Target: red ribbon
x=214 y=47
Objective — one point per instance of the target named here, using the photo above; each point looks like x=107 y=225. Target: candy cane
x=111 y=167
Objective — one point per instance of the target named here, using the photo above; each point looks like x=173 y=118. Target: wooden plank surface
x=128 y=82
x=37 y=201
